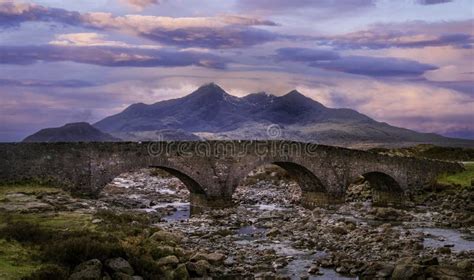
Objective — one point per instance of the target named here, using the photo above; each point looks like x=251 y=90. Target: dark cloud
x=466 y=87
x=305 y=55
x=432 y=2
x=359 y=65
x=108 y=56
x=13 y=14
x=375 y=66
x=405 y=35
x=367 y=40
x=212 y=38
x=40 y=83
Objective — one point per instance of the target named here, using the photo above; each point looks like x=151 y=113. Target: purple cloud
x=433 y=2
x=466 y=87
x=414 y=35
x=397 y=40
x=40 y=83
x=359 y=65
x=228 y=31
x=375 y=66
x=108 y=56
x=305 y=55
x=285 y=5
x=13 y=14
x=212 y=38
x=141 y=4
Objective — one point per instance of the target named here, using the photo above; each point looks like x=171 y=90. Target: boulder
x=273 y=232
x=181 y=272
x=313 y=269
x=199 y=268
x=121 y=276
x=215 y=258
x=429 y=261
x=465 y=265
x=385 y=213
x=119 y=265
x=339 y=230
x=445 y=272
x=89 y=270
x=166 y=236
x=404 y=271
x=444 y=250
x=169 y=260
x=162 y=251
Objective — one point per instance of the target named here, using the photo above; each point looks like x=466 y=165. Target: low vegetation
x=29 y=188
x=16 y=260
x=431 y=152
x=464 y=179
x=40 y=247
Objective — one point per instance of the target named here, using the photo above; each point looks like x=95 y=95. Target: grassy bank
x=17 y=261
x=27 y=188
x=49 y=244
x=462 y=178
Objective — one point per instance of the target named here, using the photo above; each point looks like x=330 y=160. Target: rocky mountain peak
x=210 y=90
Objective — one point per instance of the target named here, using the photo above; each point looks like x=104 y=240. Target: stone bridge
x=212 y=170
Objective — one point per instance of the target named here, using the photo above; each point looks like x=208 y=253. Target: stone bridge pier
x=212 y=170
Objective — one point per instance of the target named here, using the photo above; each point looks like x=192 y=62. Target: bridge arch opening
x=307 y=181
x=163 y=191
x=377 y=188
x=293 y=182
x=267 y=186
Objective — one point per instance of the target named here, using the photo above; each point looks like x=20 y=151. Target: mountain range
x=211 y=113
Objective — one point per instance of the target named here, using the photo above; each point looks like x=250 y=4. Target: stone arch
x=386 y=190
x=382 y=182
x=313 y=190
x=193 y=186
x=306 y=179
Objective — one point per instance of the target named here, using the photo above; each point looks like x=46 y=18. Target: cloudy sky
x=406 y=62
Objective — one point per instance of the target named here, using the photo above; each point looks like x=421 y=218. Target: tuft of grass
x=59 y=221
x=72 y=249
x=16 y=261
x=463 y=178
x=27 y=188
x=48 y=272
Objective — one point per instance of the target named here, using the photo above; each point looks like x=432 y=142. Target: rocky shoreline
x=270 y=236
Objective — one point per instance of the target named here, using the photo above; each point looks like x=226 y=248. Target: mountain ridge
x=211 y=113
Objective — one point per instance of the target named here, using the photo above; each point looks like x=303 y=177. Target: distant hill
x=211 y=113
x=156 y=135
x=430 y=151
x=72 y=132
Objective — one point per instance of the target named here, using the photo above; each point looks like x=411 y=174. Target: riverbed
x=269 y=234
